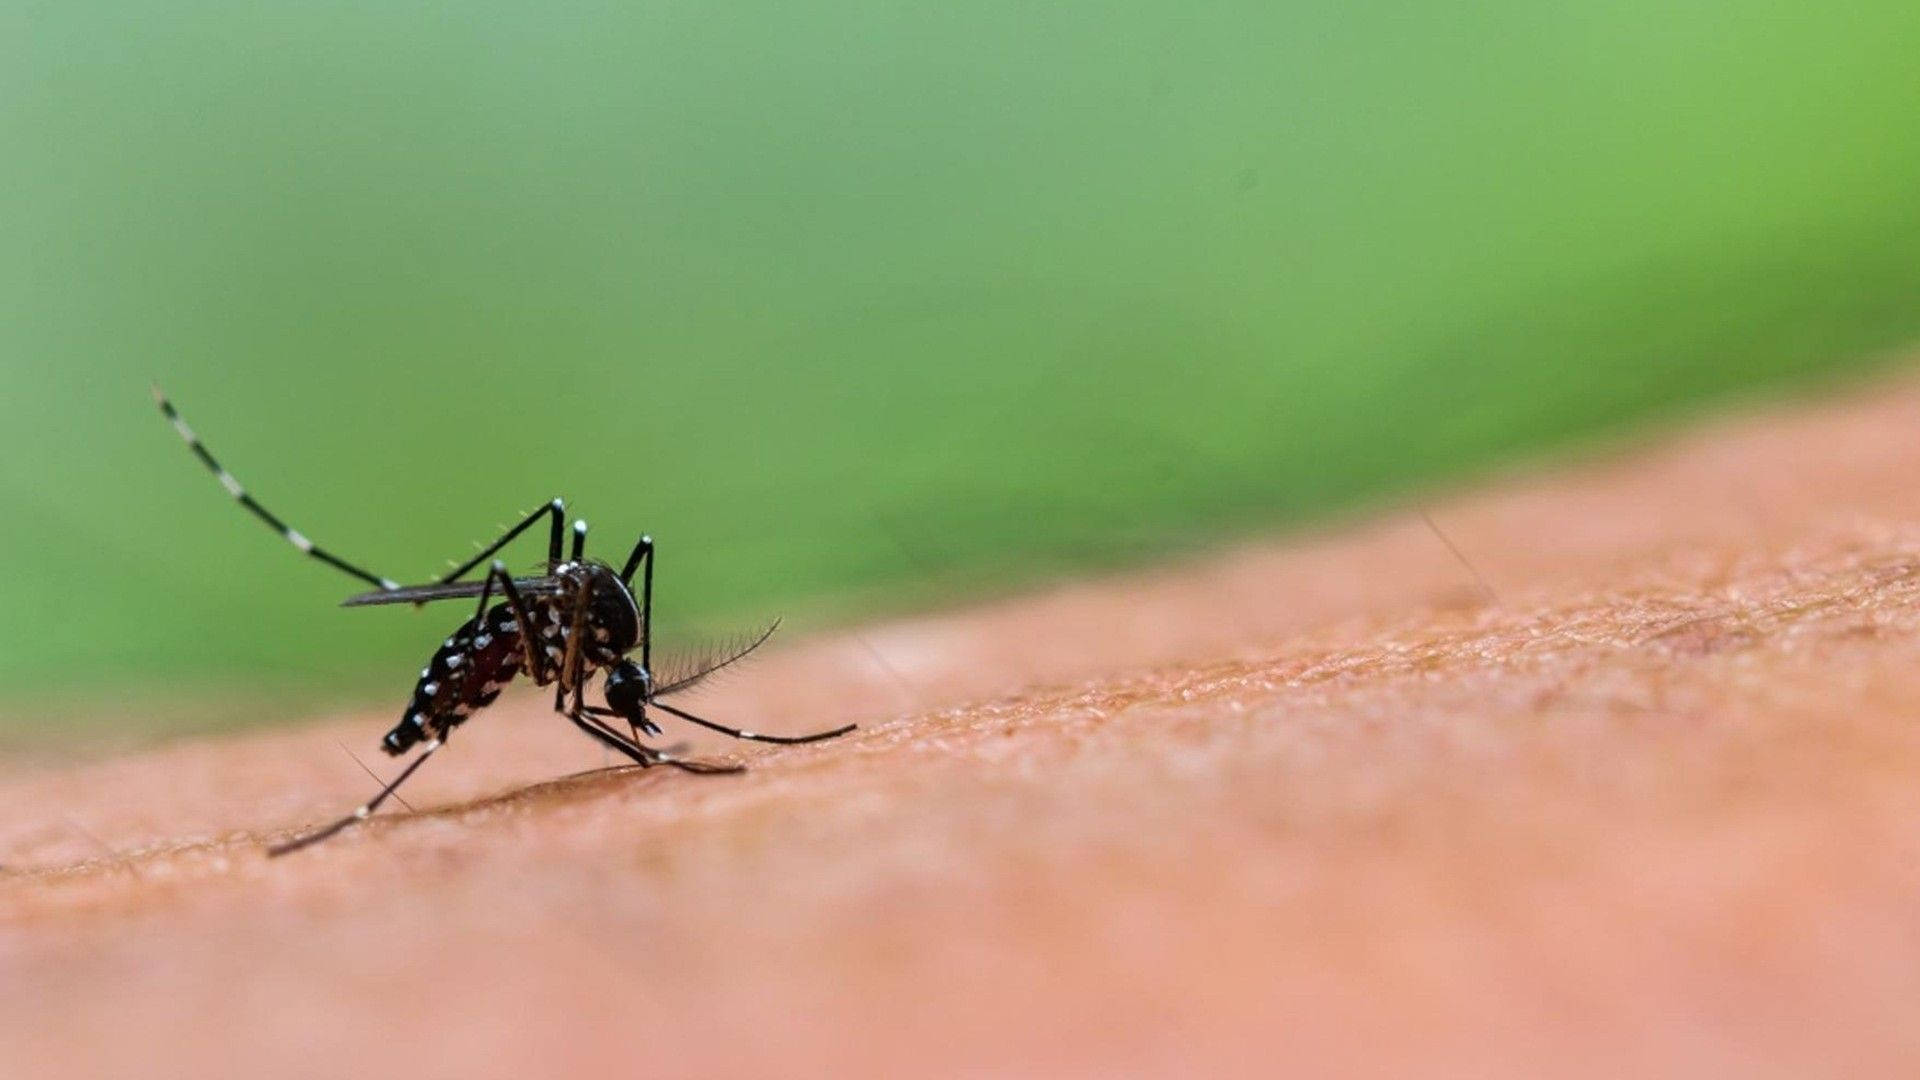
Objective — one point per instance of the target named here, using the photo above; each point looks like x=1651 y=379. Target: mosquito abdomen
x=464 y=676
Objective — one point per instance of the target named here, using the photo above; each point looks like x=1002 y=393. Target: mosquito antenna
x=701 y=666
x=287 y=532
x=1486 y=590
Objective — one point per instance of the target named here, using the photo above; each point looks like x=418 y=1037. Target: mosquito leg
x=554 y=511
x=643 y=552
x=366 y=809
x=573 y=661
x=580 y=706
x=785 y=740
x=647 y=726
x=287 y=532
x=486 y=594
x=645 y=756
x=578 y=690
x=374 y=776
x=524 y=621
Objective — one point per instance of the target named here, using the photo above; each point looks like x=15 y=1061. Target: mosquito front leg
x=645 y=756
x=643 y=553
x=634 y=727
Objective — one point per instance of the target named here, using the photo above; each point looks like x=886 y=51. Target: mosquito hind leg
x=287 y=532
x=365 y=809
x=647 y=726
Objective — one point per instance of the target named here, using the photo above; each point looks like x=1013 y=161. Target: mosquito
x=560 y=628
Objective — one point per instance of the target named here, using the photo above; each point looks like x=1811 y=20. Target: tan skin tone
x=1649 y=810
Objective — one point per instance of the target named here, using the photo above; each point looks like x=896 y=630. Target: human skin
x=1317 y=807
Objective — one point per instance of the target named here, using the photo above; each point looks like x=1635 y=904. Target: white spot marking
x=483 y=641
x=455 y=661
x=361 y=814
x=430 y=689
x=186 y=432
x=748 y=735
x=297 y=540
x=233 y=486
x=389 y=585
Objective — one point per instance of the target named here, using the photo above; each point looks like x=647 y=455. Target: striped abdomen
x=463 y=677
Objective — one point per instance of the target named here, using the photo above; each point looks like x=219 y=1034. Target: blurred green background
x=860 y=305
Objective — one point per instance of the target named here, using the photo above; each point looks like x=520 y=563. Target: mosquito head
x=628 y=689
x=629 y=686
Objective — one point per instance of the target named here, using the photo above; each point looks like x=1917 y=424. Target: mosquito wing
x=457 y=590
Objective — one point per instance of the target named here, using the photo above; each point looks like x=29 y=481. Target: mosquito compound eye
x=628 y=688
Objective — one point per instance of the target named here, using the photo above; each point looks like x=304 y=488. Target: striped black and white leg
x=287 y=532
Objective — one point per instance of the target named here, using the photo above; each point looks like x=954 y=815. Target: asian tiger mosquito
x=561 y=628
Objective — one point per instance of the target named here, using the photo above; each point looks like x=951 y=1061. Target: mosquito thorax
x=613 y=616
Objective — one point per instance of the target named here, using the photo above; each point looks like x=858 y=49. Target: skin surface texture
x=1323 y=807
